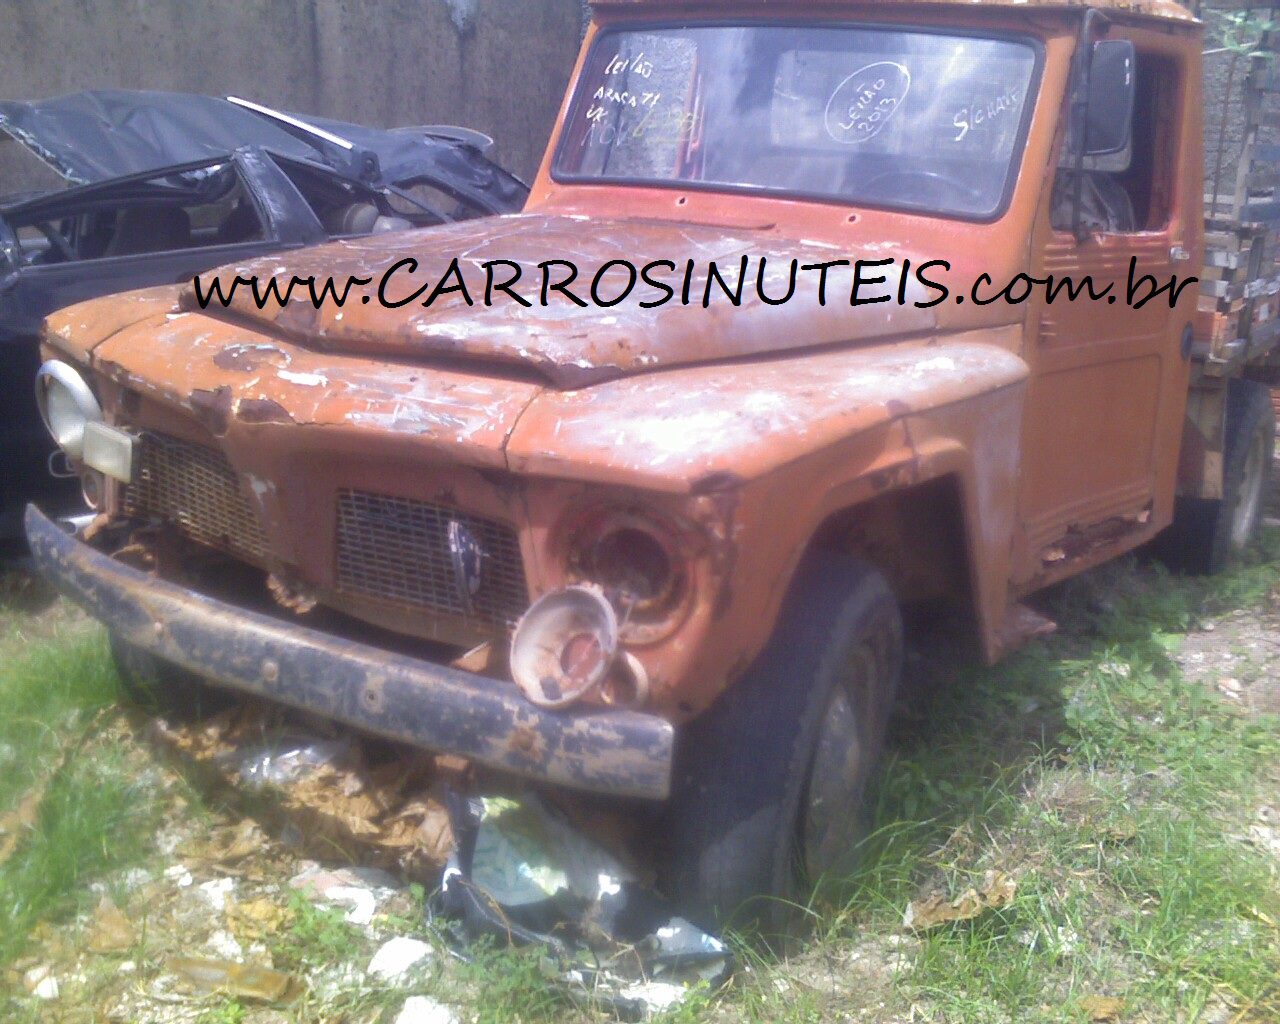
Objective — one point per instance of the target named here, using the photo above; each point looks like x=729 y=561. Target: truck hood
x=664 y=431
x=568 y=345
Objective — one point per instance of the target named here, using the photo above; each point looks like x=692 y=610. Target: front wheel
x=770 y=781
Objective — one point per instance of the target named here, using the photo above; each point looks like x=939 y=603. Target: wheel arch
x=918 y=538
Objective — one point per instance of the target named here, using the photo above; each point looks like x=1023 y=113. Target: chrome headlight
x=66 y=404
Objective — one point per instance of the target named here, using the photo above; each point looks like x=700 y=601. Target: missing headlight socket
x=638 y=563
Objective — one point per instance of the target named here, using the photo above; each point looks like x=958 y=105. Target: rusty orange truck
x=819 y=313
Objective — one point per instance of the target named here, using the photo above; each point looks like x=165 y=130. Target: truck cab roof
x=1163 y=10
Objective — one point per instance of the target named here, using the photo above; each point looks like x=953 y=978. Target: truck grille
x=195 y=489
x=429 y=556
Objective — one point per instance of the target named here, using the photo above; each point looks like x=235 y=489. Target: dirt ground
x=1239 y=653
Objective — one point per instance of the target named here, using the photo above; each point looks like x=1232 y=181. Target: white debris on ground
x=220 y=922
x=1236 y=654
x=658 y=996
x=425 y=1010
x=223 y=944
x=217 y=891
x=1264 y=833
x=359 y=890
x=394 y=959
x=41 y=983
x=221 y=915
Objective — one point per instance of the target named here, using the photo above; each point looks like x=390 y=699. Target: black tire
x=747 y=803
x=1206 y=533
x=163 y=688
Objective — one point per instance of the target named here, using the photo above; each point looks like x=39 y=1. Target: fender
x=775 y=450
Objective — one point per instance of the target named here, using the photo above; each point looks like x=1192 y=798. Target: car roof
x=113 y=133
x=1164 y=10
x=104 y=134
x=101 y=136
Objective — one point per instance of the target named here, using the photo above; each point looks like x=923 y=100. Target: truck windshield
x=861 y=116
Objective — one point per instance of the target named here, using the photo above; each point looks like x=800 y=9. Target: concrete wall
x=496 y=65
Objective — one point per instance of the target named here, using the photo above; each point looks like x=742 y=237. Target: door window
x=1131 y=191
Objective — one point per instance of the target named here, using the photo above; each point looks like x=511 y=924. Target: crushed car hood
x=568 y=345
x=100 y=135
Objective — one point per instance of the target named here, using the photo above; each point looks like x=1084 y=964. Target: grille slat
x=391 y=549
x=195 y=489
x=398 y=549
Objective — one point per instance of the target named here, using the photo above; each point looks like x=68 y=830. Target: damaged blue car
x=149 y=188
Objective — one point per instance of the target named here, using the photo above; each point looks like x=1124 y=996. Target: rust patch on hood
x=212 y=408
x=262 y=410
x=246 y=358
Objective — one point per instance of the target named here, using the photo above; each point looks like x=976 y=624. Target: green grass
x=94 y=814
x=507 y=985
x=230 y=1011
x=317 y=936
x=1114 y=790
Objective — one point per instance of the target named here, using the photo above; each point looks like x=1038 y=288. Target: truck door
x=1108 y=380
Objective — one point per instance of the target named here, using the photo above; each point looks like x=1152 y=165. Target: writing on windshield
x=856 y=115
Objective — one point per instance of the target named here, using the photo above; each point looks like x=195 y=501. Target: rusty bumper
x=625 y=753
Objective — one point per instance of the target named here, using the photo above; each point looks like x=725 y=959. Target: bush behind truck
x=663 y=552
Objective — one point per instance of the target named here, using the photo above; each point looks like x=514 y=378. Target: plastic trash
x=521 y=874
x=358 y=890
x=288 y=757
x=241 y=981
x=41 y=983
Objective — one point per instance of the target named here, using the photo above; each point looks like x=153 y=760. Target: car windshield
x=862 y=116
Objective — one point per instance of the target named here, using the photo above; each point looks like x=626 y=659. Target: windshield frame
x=1016 y=159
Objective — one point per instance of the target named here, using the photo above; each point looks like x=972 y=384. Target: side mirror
x=1109 y=116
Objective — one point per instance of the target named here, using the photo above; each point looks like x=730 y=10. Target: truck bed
x=1238 y=316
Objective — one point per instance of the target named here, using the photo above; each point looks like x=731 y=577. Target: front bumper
x=624 y=753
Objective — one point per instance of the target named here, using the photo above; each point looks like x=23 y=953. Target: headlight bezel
x=644 y=619
x=546 y=635
x=75 y=391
